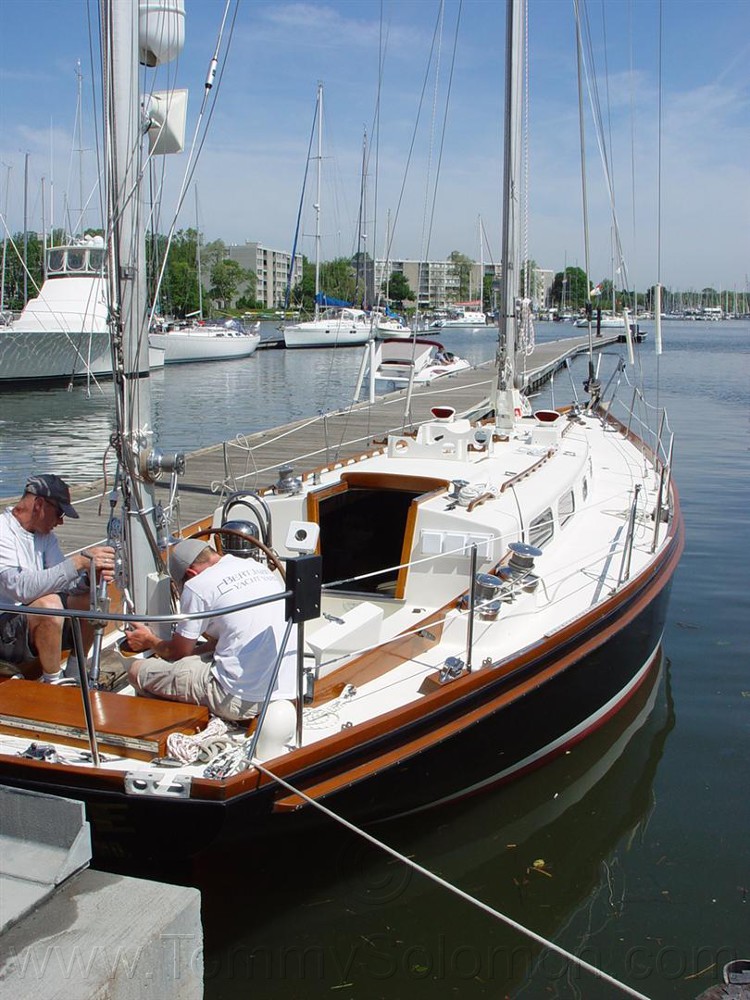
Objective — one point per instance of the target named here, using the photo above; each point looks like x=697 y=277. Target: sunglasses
x=55 y=506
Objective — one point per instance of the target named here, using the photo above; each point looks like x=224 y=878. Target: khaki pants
x=190 y=680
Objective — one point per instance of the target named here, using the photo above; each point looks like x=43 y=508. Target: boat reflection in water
x=67 y=432
x=545 y=850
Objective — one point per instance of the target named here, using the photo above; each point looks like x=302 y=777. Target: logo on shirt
x=241 y=579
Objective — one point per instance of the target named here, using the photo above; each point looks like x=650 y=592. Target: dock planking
x=253 y=461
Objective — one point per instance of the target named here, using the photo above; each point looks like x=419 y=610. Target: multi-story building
x=541 y=288
x=271 y=269
x=436 y=283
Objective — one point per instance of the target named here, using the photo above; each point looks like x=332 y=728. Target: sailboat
x=204 y=341
x=194 y=339
x=335 y=323
x=471 y=598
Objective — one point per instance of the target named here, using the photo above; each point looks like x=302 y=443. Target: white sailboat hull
x=467 y=319
x=330 y=332
x=204 y=344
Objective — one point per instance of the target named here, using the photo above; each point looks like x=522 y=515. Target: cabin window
x=75 y=260
x=541 y=528
x=96 y=260
x=566 y=505
x=585 y=489
x=55 y=260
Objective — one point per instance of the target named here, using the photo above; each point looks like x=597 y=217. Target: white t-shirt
x=247 y=641
x=31 y=564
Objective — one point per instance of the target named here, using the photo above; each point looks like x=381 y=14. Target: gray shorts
x=190 y=680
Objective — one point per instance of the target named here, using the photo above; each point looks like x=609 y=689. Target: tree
x=303 y=293
x=488 y=293
x=575 y=289
x=226 y=277
x=178 y=294
x=338 y=279
x=14 y=270
x=461 y=270
x=397 y=289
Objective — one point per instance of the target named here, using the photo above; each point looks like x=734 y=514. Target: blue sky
x=250 y=172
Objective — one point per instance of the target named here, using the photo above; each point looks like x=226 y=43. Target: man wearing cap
x=234 y=679
x=35 y=573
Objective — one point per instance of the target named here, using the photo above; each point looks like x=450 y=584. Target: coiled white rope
x=502 y=917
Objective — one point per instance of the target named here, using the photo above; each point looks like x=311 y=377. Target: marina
x=634 y=889
x=344 y=432
x=432 y=685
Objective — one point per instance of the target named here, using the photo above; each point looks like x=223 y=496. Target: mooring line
x=581 y=963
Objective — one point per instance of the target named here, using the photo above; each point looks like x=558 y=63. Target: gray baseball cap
x=183 y=555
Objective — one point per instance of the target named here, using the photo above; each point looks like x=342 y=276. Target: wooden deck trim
x=407 y=484
x=136 y=727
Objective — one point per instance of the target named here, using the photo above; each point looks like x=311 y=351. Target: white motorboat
x=205 y=342
x=419 y=361
x=62 y=333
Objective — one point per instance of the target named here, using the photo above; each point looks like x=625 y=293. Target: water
x=643 y=829
x=193 y=406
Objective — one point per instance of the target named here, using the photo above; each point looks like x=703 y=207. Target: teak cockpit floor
x=136 y=727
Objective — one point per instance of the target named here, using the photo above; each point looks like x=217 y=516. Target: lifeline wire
x=452 y=888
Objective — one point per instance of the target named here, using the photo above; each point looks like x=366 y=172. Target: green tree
x=488 y=293
x=303 y=293
x=338 y=279
x=226 y=277
x=14 y=270
x=461 y=270
x=397 y=289
x=576 y=288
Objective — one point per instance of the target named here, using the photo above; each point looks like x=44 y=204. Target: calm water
x=644 y=830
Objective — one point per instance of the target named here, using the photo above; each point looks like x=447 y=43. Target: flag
x=596 y=291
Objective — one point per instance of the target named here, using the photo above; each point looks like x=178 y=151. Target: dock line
x=415 y=866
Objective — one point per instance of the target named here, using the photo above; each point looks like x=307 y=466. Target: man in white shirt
x=233 y=682
x=35 y=573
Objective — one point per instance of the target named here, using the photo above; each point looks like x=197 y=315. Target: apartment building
x=271 y=268
x=435 y=282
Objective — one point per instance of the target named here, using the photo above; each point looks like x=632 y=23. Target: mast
x=592 y=386
x=198 y=256
x=139 y=464
x=26 y=229
x=481 y=264
x=78 y=227
x=316 y=206
x=5 y=242
x=362 y=231
x=506 y=396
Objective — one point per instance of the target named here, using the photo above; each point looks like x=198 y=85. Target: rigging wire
x=200 y=134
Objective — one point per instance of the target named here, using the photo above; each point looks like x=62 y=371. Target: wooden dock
x=252 y=462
